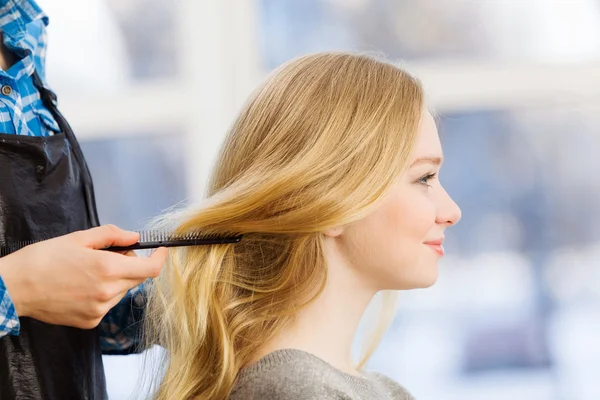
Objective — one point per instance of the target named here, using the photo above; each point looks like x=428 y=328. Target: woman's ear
x=334 y=232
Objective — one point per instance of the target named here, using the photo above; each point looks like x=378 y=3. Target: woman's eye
x=425 y=179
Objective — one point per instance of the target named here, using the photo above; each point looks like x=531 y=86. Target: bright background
x=151 y=86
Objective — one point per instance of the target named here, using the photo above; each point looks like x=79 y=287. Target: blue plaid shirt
x=23 y=25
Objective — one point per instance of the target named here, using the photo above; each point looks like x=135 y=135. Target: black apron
x=46 y=191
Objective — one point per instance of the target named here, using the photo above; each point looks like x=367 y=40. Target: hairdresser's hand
x=69 y=281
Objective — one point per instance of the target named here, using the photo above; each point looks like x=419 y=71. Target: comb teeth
x=158 y=236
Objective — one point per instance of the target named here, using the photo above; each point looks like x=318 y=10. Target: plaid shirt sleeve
x=9 y=322
x=120 y=330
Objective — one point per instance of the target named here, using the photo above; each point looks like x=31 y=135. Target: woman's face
x=399 y=245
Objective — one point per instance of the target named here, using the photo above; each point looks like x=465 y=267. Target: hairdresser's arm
x=120 y=330
x=69 y=281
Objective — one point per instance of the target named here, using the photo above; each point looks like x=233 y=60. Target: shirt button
x=6 y=90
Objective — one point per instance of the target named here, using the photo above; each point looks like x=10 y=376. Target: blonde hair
x=317 y=146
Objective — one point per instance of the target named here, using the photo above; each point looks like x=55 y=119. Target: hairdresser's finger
x=145 y=267
x=128 y=253
x=93 y=315
x=105 y=236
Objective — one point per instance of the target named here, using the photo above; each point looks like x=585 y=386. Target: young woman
x=330 y=173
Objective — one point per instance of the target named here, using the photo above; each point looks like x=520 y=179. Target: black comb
x=148 y=240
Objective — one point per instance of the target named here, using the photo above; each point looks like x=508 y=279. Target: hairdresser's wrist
x=14 y=283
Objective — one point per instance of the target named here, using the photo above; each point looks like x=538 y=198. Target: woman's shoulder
x=285 y=374
x=294 y=374
x=393 y=389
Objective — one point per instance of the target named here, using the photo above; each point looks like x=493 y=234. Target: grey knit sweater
x=297 y=375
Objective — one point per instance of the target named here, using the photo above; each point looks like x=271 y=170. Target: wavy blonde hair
x=317 y=146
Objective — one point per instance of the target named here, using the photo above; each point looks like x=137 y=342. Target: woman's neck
x=327 y=326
